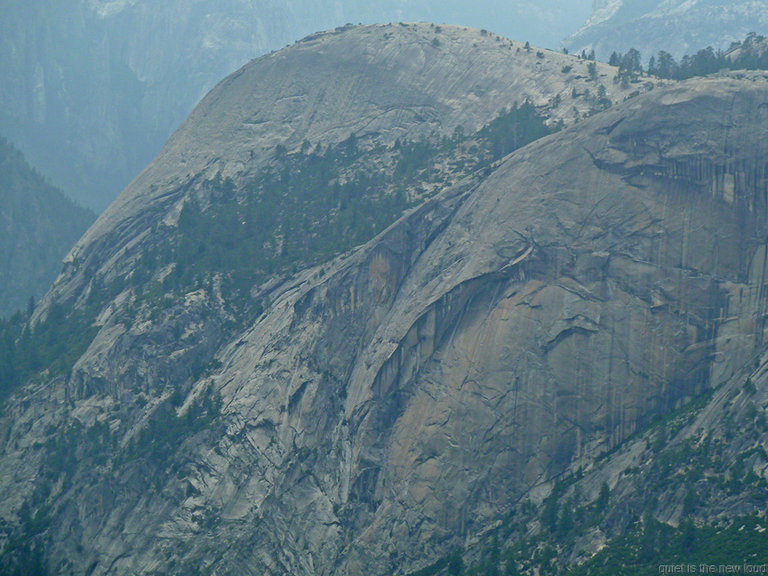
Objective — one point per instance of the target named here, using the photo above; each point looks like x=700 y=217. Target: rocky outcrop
x=557 y=312
x=396 y=400
x=380 y=83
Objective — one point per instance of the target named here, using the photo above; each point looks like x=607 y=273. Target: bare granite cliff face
x=398 y=399
x=562 y=307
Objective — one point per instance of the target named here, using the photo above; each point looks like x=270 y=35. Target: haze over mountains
x=395 y=291
x=676 y=26
x=38 y=226
x=93 y=89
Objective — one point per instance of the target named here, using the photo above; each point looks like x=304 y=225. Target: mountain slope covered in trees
x=38 y=226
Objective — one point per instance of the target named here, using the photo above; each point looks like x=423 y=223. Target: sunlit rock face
x=398 y=399
x=676 y=26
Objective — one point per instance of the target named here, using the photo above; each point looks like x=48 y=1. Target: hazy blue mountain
x=676 y=26
x=38 y=226
x=92 y=89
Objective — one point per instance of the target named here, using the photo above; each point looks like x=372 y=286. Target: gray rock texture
x=400 y=400
x=378 y=82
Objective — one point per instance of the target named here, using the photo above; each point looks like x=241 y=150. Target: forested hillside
x=38 y=226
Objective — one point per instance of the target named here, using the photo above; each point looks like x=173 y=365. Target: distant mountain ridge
x=38 y=226
x=676 y=26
